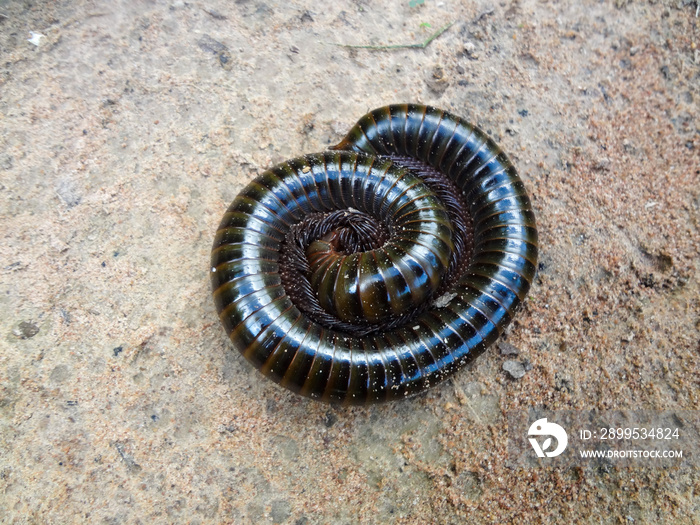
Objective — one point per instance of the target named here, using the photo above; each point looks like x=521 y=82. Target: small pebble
x=35 y=38
x=444 y=300
x=26 y=330
x=516 y=369
x=508 y=349
x=470 y=50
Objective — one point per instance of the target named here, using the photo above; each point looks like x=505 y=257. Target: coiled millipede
x=376 y=270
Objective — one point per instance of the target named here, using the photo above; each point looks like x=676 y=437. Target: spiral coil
x=327 y=312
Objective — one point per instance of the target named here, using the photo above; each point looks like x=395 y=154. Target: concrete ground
x=127 y=127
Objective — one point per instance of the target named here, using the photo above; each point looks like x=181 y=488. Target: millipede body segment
x=353 y=275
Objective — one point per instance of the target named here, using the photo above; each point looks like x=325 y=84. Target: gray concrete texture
x=128 y=127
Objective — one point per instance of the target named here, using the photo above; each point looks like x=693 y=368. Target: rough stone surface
x=129 y=128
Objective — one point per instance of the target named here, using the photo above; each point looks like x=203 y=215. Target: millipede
x=377 y=269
